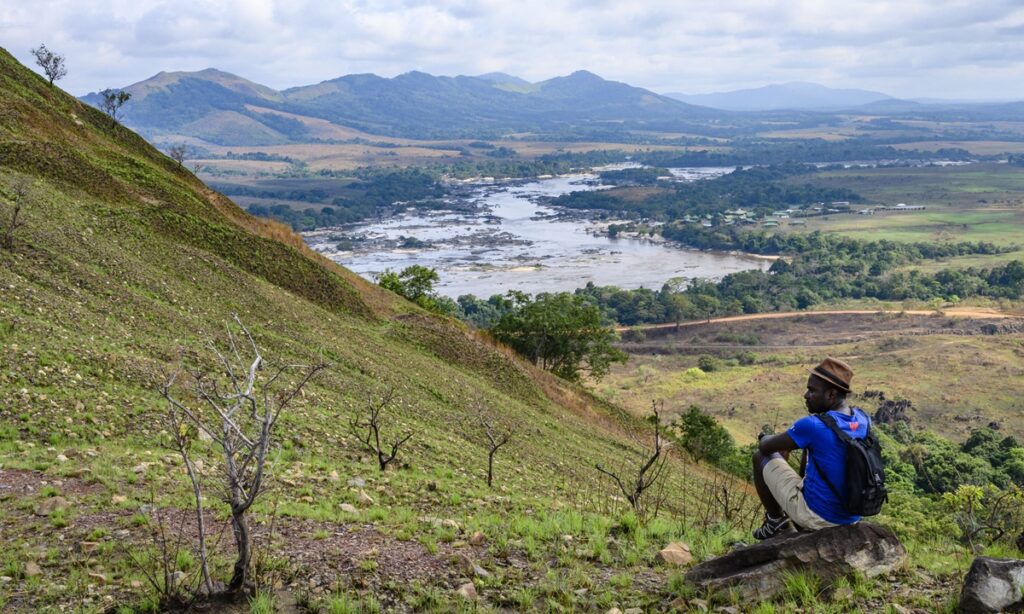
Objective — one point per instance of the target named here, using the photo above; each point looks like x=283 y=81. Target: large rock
x=993 y=585
x=757 y=571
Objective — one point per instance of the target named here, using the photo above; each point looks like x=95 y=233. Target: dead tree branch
x=497 y=437
x=647 y=475
x=21 y=198
x=368 y=429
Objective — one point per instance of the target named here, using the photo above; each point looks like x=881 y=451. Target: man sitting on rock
x=810 y=500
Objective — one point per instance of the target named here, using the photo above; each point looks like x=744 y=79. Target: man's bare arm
x=781 y=443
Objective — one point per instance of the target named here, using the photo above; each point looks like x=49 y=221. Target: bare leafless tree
x=178 y=153
x=240 y=409
x=112 y=102
x=51 y=63
x=646 y=476
x=497 y=436
x=367 y=429
x=20 y=198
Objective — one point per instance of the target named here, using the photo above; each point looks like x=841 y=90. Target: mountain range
x=778 y=96
x=226 y=109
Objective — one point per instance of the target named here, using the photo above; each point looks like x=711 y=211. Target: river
x=513 y=242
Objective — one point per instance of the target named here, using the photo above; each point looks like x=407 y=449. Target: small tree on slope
x=238 y=410
x=51 y=63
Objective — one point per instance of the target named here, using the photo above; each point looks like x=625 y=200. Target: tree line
x=758 y=190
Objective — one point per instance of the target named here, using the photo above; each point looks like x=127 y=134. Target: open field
x=960 y=373
x=378 y=151
x=977 y=202
x=981 y=148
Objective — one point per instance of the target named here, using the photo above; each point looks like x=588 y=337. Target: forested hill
x=226 y=109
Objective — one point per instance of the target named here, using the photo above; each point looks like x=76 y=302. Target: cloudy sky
x=907 y=48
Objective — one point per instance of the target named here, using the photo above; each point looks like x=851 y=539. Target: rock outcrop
x=758 y=571
x=993 y=585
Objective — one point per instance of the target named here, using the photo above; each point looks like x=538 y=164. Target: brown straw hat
x=835 y=372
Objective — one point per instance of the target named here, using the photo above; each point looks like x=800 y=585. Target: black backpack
x=865 y=475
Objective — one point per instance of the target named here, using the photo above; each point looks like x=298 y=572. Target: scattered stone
x=306 y=499
x=141 y=467
x=634 y=611
x=334 y=477
x=480 y=572
x=843 y=594
x=135 y=584
x=568 y=539
x=676 y=553
x=177 y=578
x=727 y=609
x=32 y=570
x=118 y=499
x=50 y=505
x=467 y=591
x=464 y=563
x=364 y=499
x=98 y=577
x=896 y=608
x=477 y=539
x=61 y=458
x=6 y=579
x=357 y=482
x=701 y=605
x=993 y=585
x=451 y=524
x=89 y=547
x=348 y=508
x=614 y=611
x=757 y=571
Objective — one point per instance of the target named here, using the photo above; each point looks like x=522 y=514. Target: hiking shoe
x=772 y=527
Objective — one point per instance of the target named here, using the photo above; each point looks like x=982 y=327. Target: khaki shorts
x=788 y=489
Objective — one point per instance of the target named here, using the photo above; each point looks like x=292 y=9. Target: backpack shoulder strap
x=830 y=422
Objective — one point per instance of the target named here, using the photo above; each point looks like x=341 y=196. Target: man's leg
x=771 y=506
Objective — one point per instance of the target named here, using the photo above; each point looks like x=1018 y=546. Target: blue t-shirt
x=824 y=446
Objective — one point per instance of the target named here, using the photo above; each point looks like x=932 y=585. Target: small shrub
x=746 y=358
x=708 y=364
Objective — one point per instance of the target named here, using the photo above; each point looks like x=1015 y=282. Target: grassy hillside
x=127 y=263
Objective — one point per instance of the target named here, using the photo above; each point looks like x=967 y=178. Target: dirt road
x=955 y=312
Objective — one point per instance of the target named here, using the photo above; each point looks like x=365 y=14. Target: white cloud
x=950 y=48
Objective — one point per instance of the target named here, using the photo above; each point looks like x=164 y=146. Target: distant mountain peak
x=585 y=74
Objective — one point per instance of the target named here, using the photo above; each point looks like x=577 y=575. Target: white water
x=513 y=244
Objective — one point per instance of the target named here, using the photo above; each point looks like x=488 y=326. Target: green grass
x=978 y=202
